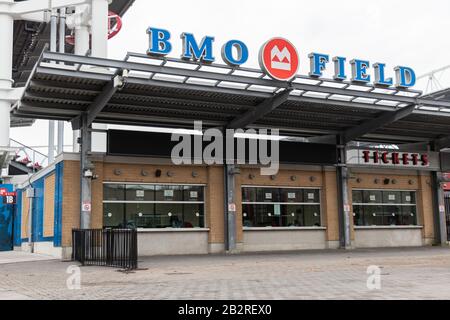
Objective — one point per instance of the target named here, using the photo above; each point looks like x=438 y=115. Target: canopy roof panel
x=174 y=93
x=30 y=39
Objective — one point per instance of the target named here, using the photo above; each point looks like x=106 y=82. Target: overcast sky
x=412 y=33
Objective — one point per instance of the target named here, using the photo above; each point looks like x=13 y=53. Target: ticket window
x=153 y=206
x=384 y=208
x=280 y=207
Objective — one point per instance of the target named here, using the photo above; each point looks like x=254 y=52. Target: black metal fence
x=105 y=247
x=447 y=213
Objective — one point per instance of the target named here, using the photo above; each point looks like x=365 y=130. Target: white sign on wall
x=193 y=194
x=140 y=193
x=168 y=193
x=87 y=206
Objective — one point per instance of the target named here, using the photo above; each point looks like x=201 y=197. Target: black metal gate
x=105 y=247
x=447 y=213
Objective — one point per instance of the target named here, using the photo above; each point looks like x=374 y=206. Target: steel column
x=6 y=57
x=438 y=200
x=99 y=28
x=81 y=48
x=230 y=207
x=344 y=209
x=30 y=221
x=62 y=44
x=51 y=123
x=4 y=123
x=86 y=180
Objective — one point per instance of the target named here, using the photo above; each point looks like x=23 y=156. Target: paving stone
x=416 y=273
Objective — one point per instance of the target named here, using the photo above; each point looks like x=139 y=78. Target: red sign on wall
x=279 y=59
x=395 y=158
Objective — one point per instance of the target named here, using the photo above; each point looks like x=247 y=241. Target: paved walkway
x=419 y=273
x=18 y=256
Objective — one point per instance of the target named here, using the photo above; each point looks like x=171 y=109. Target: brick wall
x=49 y=206
x=330 y=212
x=140 y=173
x=425 y=206
x=419 y=183
x=215 y=205
x=212 y=177
x=71 y=201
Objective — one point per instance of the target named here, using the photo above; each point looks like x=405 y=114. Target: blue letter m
x=191 y=50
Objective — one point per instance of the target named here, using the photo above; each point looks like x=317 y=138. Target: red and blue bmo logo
x=279 y=59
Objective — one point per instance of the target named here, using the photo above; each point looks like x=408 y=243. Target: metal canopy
x=174 y=93
x=30 y=39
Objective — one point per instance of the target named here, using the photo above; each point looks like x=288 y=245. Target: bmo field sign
x=279 y=59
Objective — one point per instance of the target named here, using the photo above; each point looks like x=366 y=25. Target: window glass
x=168 y=193
x=357 y=196
x=409 y=216
x=311 y=195
x=248 y=215
x=374 y=215
x=168 y=215
x=384 y=208
x=408 y=197
x=372 y=196
x=267 y=195
x=139 y=215
x=358 y=216
x=392 y=215
x=248 y=194
x=153 y=206
x=114 y=192
x=312 y=216
x=286 y=207
x=140 y=192
x=113 y=215
x=193 y=216
x=293 y=215
x=392 y=197
x=264 y=216
x=291 y=195
x=192 y=193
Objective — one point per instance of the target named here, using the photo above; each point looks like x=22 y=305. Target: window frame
x=319 y=189
x=154 y=202
x=383 y=205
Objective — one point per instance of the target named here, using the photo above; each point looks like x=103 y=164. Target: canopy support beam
x=260 y=110
x=377 y=123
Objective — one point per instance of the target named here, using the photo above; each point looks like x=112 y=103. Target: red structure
x=446 y=186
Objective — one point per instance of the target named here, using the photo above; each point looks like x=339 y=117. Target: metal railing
x=105 y=247
x=29 y=156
